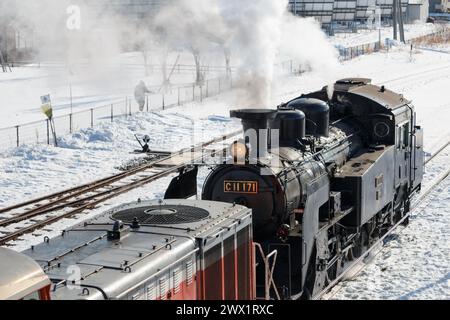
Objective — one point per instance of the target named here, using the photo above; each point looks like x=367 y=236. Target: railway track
x=49 y=209
x=414 y=76
x=411 y=77
x=358 y=265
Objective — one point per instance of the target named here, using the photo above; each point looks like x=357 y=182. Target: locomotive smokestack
x=256 y=125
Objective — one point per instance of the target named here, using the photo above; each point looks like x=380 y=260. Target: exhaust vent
x=161 y=214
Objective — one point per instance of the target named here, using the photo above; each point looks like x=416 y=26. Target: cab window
x=402 y=139
x=32 y=296
x=406 y=134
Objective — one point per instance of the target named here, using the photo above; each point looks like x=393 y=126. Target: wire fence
x=39 y=132
x=148 y=68
x=348 y=53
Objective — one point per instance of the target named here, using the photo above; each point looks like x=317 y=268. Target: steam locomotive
x=343 y=172
x=309 y=188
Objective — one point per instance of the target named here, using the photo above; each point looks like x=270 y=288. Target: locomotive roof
x=20 y=275
x=363 y=87
x=103 y=263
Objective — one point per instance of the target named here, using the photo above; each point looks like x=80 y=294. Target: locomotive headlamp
x=238 y=150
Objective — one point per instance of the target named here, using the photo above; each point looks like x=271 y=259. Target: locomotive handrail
x=268 y=271
x=310 y=157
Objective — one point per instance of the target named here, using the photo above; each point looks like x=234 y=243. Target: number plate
x=240 y=186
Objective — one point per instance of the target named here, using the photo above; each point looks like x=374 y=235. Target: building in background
x=133 y=10
x=439 y=6
x=417 y=10
x=352 y=14
x=17 y=40
x=19 y=37
x=321 y=10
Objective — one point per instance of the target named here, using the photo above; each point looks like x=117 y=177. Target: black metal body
x=317 y=115
x=335 y=190
x=292 y=126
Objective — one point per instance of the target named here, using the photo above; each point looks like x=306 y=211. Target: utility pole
x=400 y=21
x=378 y=23
x=69 y=79
x=71 y=99
x=2 y=62
x=394 y=18
x=397 y=18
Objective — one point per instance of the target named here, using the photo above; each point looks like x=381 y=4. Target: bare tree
x=199 y=77
x=5 y=26
x=195 y=26
x=162 y=42
x=227 y=54
x=164 y=53
x=144 y=47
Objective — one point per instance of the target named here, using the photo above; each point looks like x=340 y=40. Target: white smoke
x=196 y=24
x=305 y=43
x=257 y=34
x=47 y=20
x=87 y=54
x=256 y=29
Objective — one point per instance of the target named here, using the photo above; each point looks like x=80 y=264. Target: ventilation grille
x=162 y=214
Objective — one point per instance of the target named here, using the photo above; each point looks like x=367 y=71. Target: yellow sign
x=240 y=186
x=47 y=106
x=47 y=110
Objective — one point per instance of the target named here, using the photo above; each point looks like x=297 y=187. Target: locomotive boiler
x=325 y=178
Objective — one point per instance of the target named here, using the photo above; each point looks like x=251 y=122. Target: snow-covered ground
x=369 y=36
x=114 y=79
x=416 y=264
x=109 y=81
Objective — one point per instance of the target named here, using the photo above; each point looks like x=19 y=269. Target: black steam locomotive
x=340 y=174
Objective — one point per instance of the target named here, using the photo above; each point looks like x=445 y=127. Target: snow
x=108 y=82
x=369 y=36
x=97 y=152
x=94 y=86
x=415 y=263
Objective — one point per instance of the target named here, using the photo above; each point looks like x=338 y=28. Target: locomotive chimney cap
x=253 y=114
x=260 y=121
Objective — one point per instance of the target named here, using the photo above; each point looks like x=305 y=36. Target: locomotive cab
x=25 y=281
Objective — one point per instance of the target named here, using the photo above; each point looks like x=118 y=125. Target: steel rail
x=63 y=196
x=89 y=205
x=445 y=145
x=412 y=75
x=93 y=200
